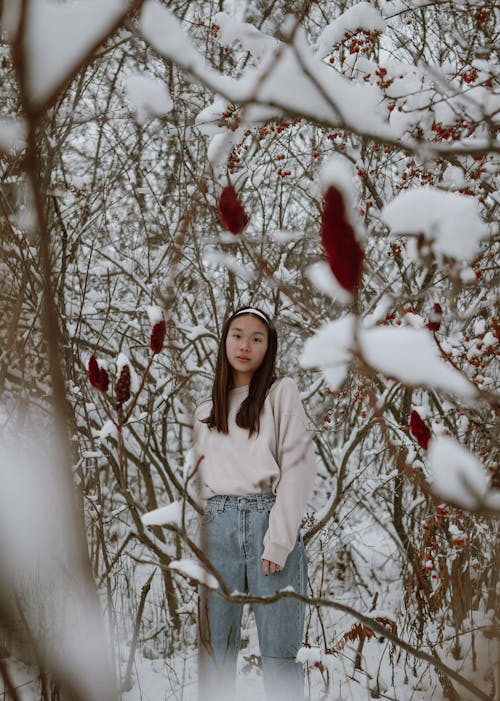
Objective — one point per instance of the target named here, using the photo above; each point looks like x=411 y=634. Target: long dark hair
x=248 y=415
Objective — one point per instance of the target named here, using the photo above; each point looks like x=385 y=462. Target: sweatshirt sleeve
x=295 y=455
x=196 y=454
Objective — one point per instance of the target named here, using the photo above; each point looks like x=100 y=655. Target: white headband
x=251 y=310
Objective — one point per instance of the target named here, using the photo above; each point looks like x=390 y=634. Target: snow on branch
x=290 y=77
x=361 y=16
x=170 y=515
x=251 y=39
x=148 y=96
x=194 y=571
x=406 y=354
x=278 y=80
x=59 y=35
x=216 y=259
x=449 y=221
x=460 y=478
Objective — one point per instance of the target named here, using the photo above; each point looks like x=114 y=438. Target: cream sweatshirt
x=279 y=459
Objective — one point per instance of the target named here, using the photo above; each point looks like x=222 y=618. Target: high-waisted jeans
x=232 y=538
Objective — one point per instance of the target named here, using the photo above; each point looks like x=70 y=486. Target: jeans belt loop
x=221 y=504
x=260 y=503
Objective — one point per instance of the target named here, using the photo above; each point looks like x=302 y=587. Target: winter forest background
x=358 y=137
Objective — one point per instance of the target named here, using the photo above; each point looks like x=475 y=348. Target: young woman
x=256 y=473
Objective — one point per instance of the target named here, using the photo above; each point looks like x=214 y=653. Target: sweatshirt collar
x=238 y=390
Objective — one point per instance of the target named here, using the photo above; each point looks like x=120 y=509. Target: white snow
x=207 y=120
x=41 y=559
x=121 y=361
x=384 y=304
x=216 y=259
x=309 y=654
x=288 y=588
x=411 y=356
x=155 y=314
x=415 y=320
x=60 y=35
x=278 y=79
x=193 y=570
x=108 y=429
x=286 y=235
x=361 y=16
x=458 y=475
x=164 y=31
x=246 y=35
x=489 y=340
x=453 y=177
x=170 y=515
x=449 y=220
x=149 y=97
x=467 y=275
x=12 y=134
x=404 y=353
x=330 y=349
x=325 y=282
x=328 y=96
x=380 y=613
x=193 y=333
x=219 y=147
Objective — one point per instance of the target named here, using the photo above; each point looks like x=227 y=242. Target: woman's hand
x=270 y=567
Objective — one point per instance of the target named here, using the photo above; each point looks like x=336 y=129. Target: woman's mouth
x=242 y=359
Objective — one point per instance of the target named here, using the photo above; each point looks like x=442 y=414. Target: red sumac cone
x=158 y=336
x=342 y=250
x=98 y=376
x=420 y=430
x=231 y=213
x=122 y=387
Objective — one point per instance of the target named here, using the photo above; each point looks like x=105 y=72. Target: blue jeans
x=232 y=538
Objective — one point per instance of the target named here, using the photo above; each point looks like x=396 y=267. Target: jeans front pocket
x=209 y=515
x=269 y=503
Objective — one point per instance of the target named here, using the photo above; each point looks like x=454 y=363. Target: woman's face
x=246 y=346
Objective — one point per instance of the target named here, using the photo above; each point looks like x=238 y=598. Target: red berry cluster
x=452 y=132
x=397 y=316
x=394 y=250
x=279 y=128
x=230 y=118
x=361 y=41
x=469 y=76
x=382 y=81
